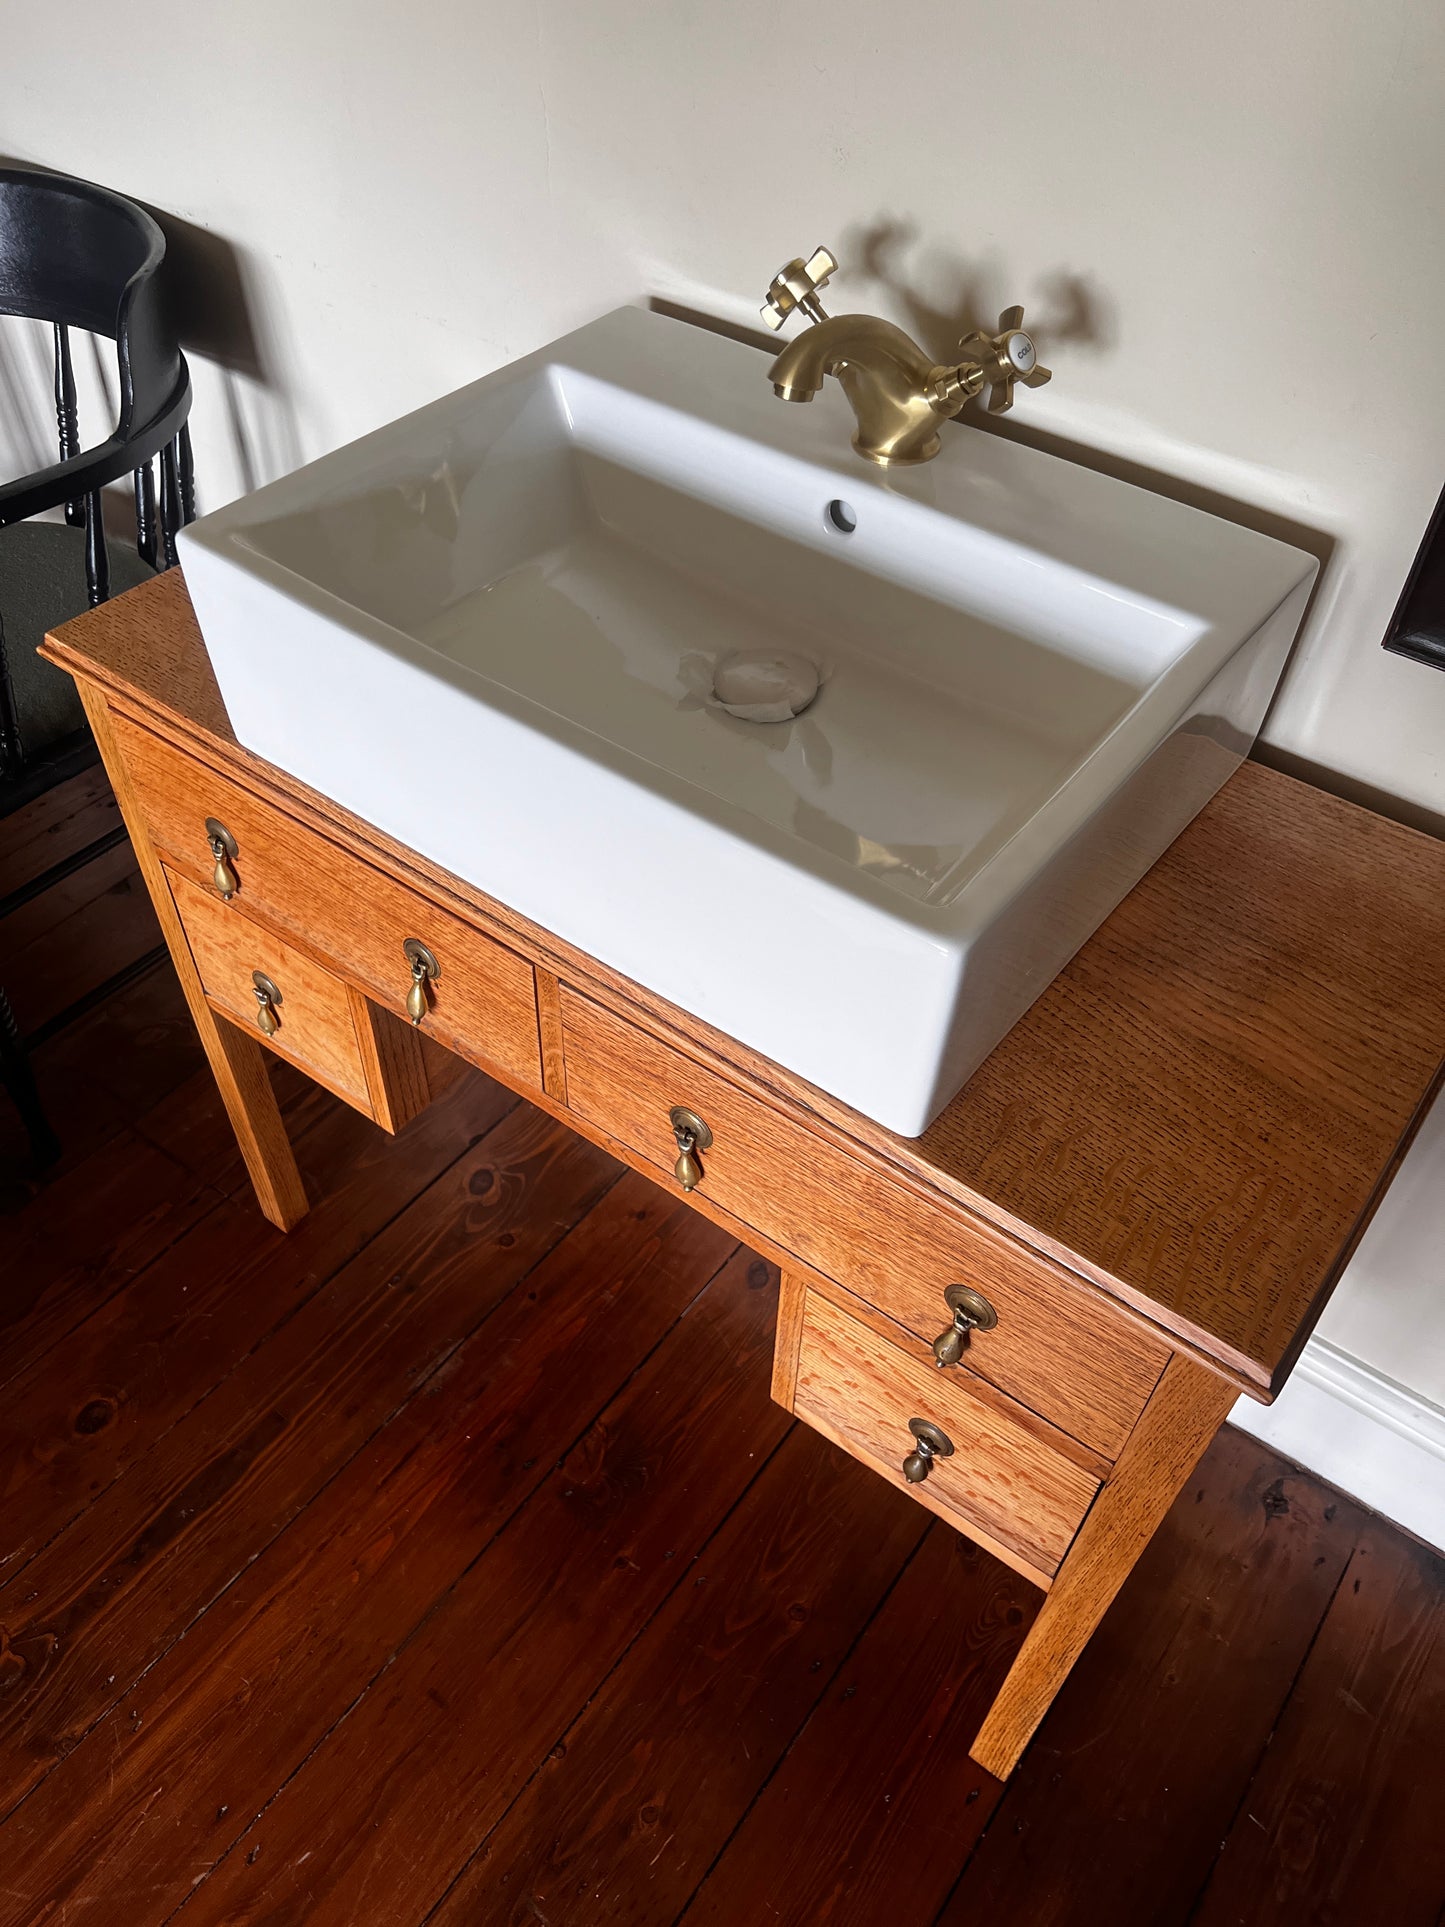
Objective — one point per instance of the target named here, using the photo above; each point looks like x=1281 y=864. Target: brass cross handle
x=797 y=285
x=691 y=1135
x=1005 y=358
x=930 y=1442
x=424 y=970
x=971 y=1313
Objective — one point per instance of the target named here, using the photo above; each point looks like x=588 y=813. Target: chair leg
x=97 y=561
x=65 y=418
x=187 y=470
x=12 y=750
x=19 y=1080
x=145 y=513
x=170 y=505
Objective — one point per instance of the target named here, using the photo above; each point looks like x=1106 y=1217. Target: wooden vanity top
x=1199 y=1115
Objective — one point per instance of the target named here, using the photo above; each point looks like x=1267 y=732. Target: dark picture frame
x=1417 y=628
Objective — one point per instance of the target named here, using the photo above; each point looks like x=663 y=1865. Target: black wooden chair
x=76 y=256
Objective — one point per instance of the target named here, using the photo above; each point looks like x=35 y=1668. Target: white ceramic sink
x=491 y=630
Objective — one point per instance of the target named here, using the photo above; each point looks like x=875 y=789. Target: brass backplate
x=416 y=952
x=933 y=1436
x=216 y=832
x=684 y=1120
x=264 y=984
x=974 y=1306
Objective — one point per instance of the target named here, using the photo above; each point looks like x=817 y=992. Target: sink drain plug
x=764 y=685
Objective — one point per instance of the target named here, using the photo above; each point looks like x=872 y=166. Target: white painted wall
x=1225 y=221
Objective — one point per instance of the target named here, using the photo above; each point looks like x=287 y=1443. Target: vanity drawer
x=315 y=1027
x=1002 y=1484
x=1057 y=1347
x=483 y=1004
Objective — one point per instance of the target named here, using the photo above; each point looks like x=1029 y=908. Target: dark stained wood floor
x=447 y=1562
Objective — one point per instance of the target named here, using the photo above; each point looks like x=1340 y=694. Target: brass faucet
x=898 y=392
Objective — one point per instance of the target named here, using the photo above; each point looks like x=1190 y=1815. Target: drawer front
x=484 y=1004
x=1001 y=1484
x=1056 y=1347
x=315 y=1026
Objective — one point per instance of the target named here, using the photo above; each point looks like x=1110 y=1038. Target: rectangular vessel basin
x=491 y=629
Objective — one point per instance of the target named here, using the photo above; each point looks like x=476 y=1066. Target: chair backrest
x=79 y=256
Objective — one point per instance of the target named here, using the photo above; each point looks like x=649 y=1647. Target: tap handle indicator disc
x=796 y=286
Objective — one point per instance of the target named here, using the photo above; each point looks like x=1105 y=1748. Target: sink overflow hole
x=842 y=515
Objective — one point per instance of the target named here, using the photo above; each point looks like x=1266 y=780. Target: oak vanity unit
x=1033 y=1318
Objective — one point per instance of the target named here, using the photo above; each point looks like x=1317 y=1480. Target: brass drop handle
x=930 y=1442
x=1005 y=358
x=424 y=970
x=797 y=285
x=267 y=998
x=971 y=1313
x=223 y=854
x=691 y=1135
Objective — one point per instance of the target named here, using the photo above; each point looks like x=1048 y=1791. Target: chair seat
x=42 y=584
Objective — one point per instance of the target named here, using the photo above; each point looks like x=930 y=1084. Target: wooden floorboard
x=1344 y=1822
x=628 y=1810
x=877 y=1802
x=1132 y=1780
x=446 y=1562
x=76 y=937
x=110 y=1595
x=451 y=1732
x=55 y=827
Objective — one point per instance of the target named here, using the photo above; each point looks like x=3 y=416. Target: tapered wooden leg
x=793 y=1292
x=1187 y=1408
x=238 y=1063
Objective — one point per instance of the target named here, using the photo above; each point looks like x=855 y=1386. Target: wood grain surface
x=1341 y=1822
x=877 y=1805
x=1137 y=1773
x=1018 y=1498
x=483 y=1004
x=446 y=1560
x=314 y=1031
x=1181 y=1418
x=237 y=1062
x=1057 y=1347
x=55 y=827
x=585 y=1839
x=1199 y=1114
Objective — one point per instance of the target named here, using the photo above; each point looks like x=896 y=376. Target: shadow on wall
x=1074 y=308
x=220 y=319
x=217 y=317
x=1075 y=312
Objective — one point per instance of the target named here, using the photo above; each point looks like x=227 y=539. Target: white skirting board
x=1360 y=1431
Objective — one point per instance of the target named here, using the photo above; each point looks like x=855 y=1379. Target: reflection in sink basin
x=492 y=630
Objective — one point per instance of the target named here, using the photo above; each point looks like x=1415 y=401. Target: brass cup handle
x=424 y=970
x=930 y=1442
x=971 y=1313
x=223 y=855
x=267 y=998
x=691 y=1135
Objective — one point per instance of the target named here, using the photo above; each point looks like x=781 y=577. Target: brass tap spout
x=898 y=393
